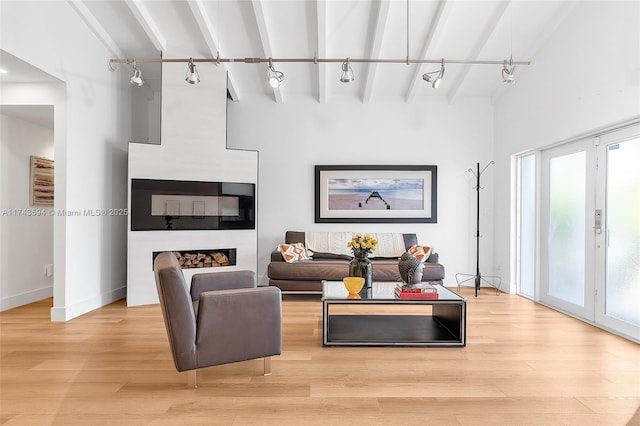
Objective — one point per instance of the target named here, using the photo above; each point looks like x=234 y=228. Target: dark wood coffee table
x=443 y=323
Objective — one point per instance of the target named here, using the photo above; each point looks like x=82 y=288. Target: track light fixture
x=135 y=75
x=508 y=72
x=192 y=76
x=347 y=72
x=274 y=77
x=434 y=77
x=347 y=76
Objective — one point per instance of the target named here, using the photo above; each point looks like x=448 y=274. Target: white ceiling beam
x=433 y=37
x=477 y=49
x=258 y=11
x=541 y=39
x=376 y=47
x=97 y=29
x=148 y=24
x=321 y=16
x=206 y=28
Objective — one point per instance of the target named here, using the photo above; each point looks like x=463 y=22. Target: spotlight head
x=508 y=72
x=275 y=77
x=347 y=73
x=135 y=77
x=508 y=76
x=434 y=77
x=192 y=76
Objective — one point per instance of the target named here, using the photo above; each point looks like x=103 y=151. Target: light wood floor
x=524 y=364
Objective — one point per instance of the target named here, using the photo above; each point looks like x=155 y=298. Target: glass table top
x=381 y=290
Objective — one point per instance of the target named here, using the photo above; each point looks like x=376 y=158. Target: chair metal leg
x=191 y=379
x=267 y=366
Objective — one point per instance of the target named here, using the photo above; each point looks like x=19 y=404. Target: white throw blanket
x=389 y=244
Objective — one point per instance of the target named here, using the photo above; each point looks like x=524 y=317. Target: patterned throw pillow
x=421 y=253
x=294 y=252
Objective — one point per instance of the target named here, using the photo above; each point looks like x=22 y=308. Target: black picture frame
x=404 y=194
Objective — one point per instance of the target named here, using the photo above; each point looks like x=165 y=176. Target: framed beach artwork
x=376 y=194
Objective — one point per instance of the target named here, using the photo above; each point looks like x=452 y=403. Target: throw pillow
x=294 y=252
x=421 y=253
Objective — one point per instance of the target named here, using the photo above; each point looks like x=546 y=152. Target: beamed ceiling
x=453 y=30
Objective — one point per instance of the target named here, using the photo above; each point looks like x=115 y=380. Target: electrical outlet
x=48 y=269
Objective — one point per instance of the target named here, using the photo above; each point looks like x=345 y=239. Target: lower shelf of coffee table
x=389 y=330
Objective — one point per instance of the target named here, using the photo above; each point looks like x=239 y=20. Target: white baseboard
x=14 y=301
x=69 y=312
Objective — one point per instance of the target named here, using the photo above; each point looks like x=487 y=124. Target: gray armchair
x=225 y=318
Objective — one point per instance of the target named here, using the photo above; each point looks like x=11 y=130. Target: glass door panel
x=527 y=226
x=566 y=240
x=618 y=309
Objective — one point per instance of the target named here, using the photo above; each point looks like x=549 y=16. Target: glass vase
x=360 y=266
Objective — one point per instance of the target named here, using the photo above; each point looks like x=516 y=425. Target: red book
x=417 y=288
x=412 y=295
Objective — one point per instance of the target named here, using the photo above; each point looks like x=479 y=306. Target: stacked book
x=416 y=291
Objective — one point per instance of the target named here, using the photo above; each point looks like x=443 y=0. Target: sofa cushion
x=293 y=252
x=309 y=270
x=421 y=253
x=324 y=255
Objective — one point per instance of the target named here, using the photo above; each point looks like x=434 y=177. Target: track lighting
x=135 y=76
x=508 y=72
x=275 y=77
x=192 y=76
x=434 y=77
x=347 y=73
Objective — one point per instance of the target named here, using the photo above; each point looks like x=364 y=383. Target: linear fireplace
x=191 y=205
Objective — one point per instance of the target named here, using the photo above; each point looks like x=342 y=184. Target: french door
x=618 y=243
x=585 y=254
x=568 y=242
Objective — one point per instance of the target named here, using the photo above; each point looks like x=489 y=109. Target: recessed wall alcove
x=207 y=190
x=203 y=258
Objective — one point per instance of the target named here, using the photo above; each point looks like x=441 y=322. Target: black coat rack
x=478 y=277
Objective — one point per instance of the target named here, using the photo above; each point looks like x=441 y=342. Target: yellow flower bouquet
x=362 y=246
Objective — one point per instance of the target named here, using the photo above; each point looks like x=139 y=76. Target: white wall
x=193 y=148
x=145 y=115
x=294 y=136
x=587 y=76
x=91 y=157
x=26 y=245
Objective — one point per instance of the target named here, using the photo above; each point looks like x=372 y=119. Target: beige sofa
x=306 y=276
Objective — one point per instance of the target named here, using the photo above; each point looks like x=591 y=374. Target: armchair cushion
x=221 y=281
x=237 y=325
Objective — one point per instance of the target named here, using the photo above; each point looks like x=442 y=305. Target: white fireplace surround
x=193 y=148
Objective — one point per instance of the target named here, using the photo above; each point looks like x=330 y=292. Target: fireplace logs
x=189 y=260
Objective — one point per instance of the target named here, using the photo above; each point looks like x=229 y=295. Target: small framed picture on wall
x=41 y=182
